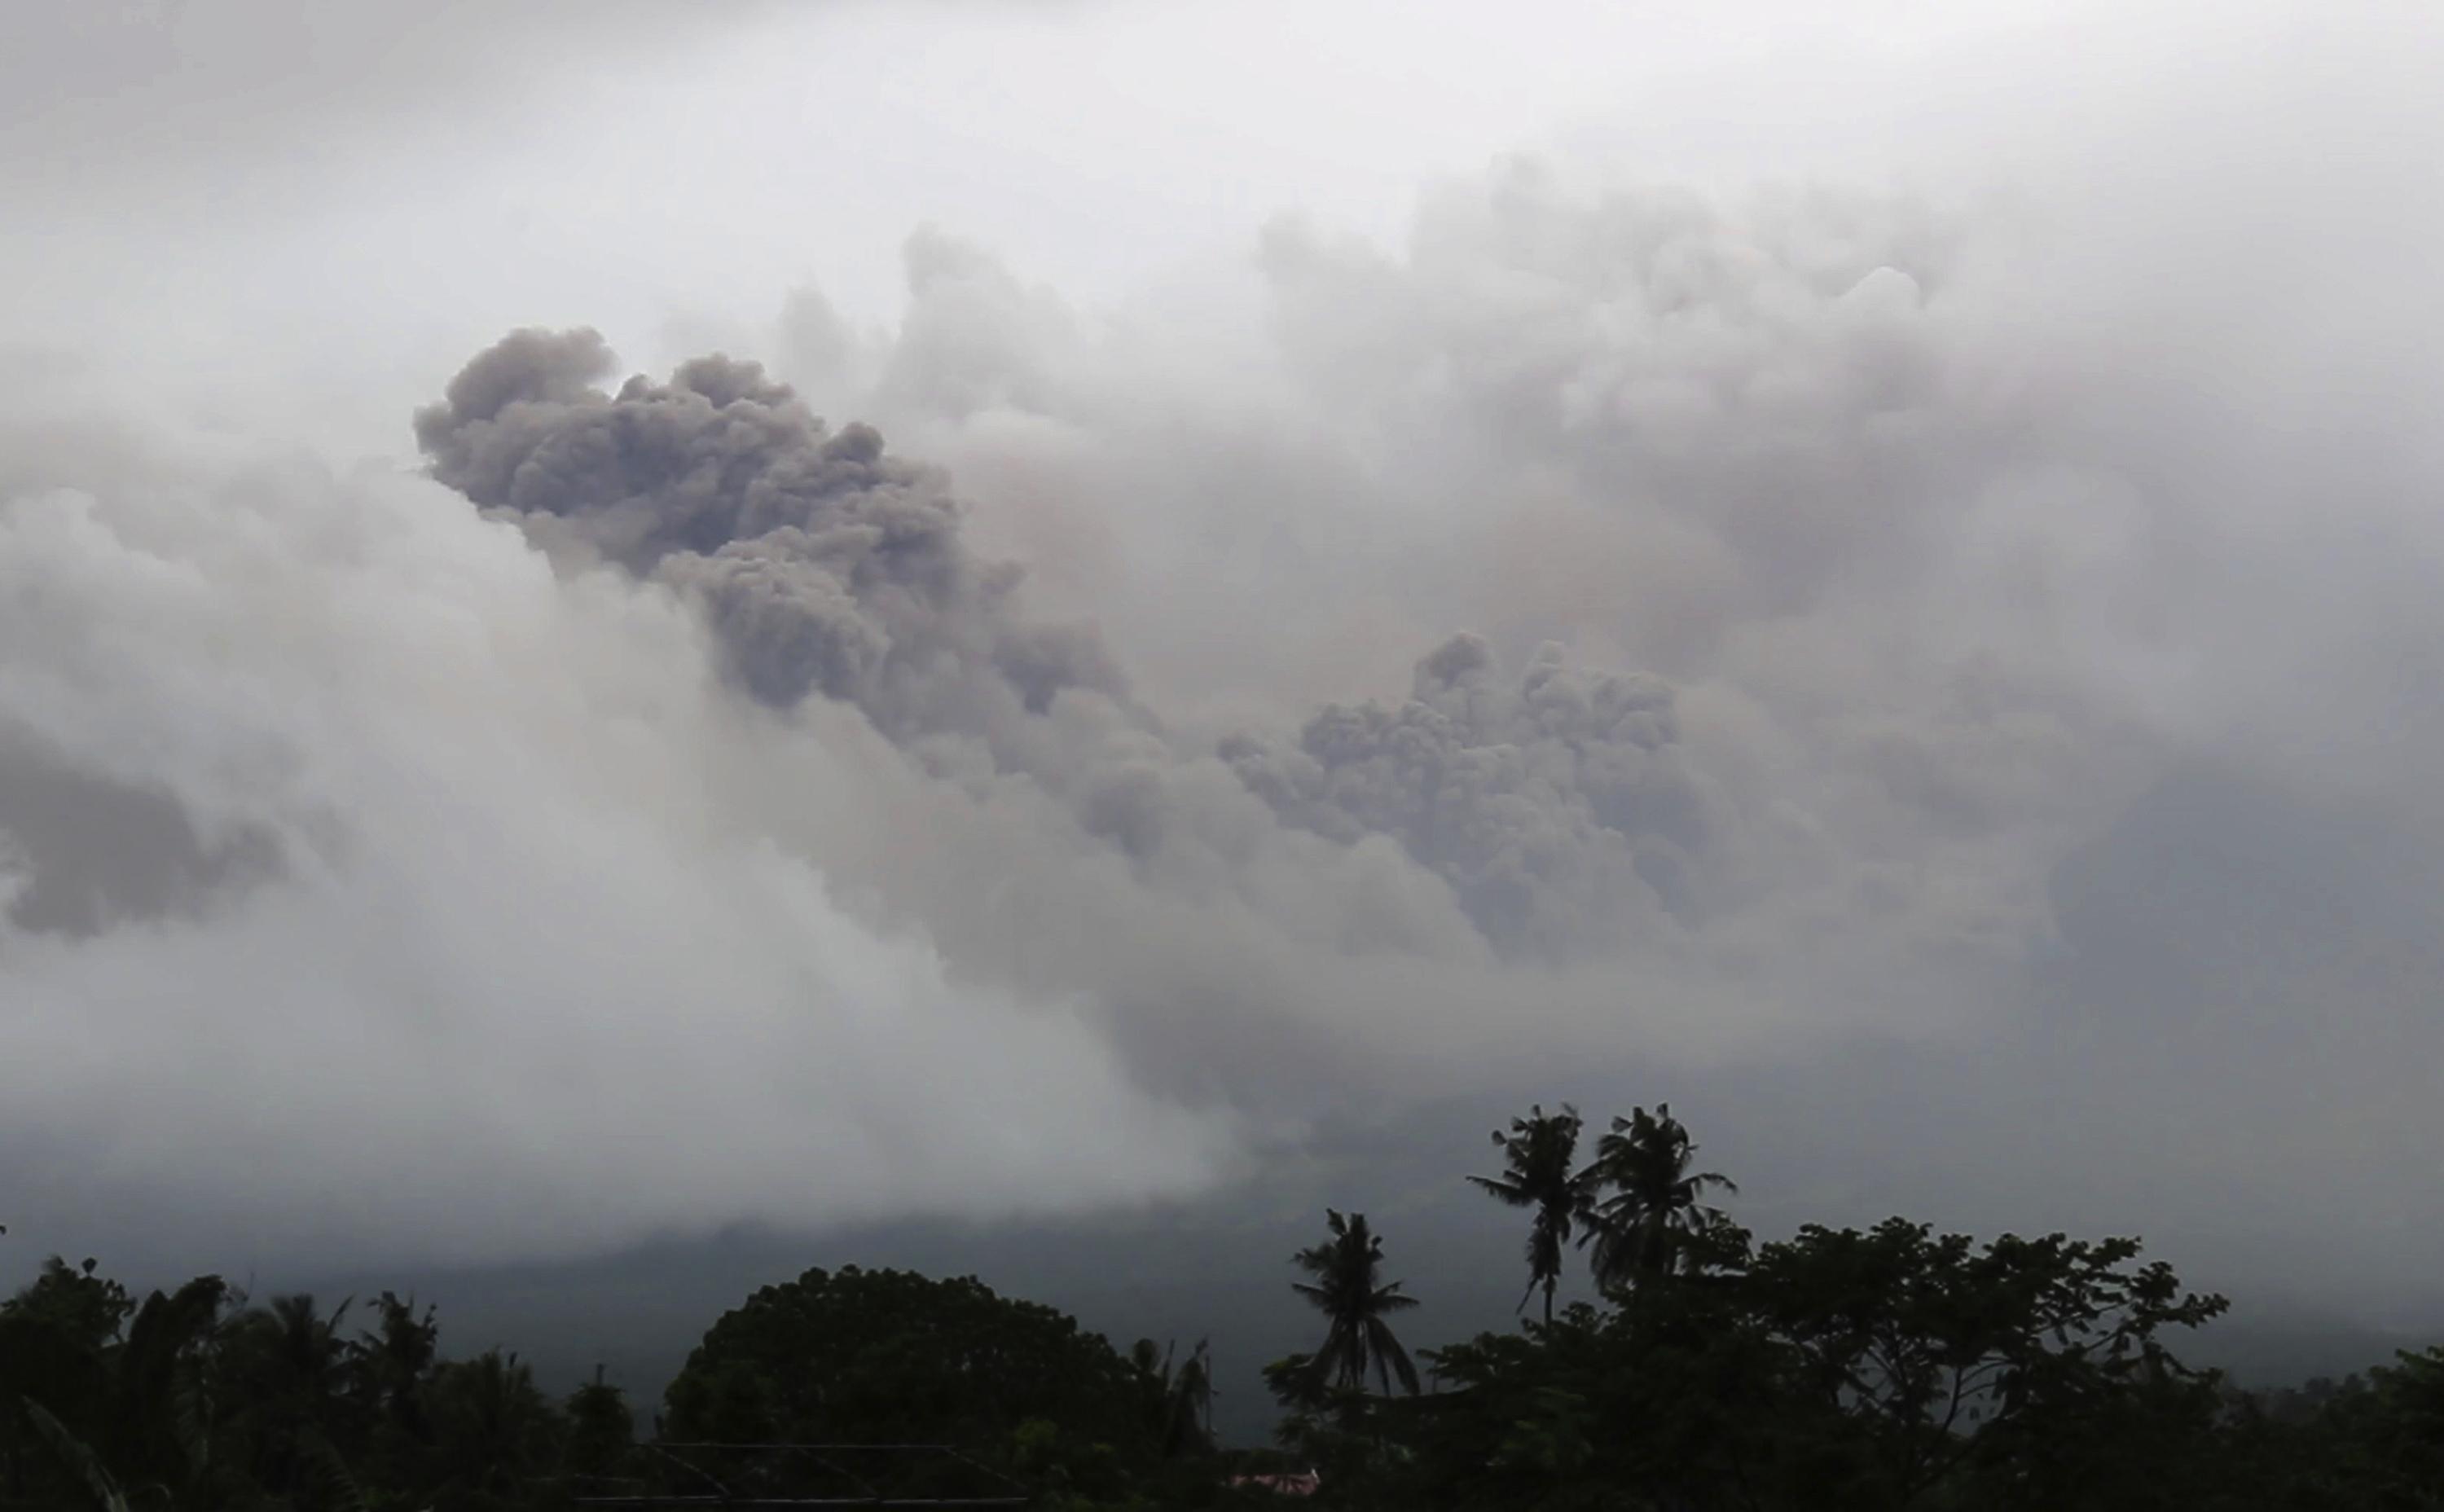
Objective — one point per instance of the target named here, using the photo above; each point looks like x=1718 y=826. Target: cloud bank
x=373 y=887
x=1030 y=755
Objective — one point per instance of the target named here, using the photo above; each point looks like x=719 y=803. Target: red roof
x=1303 y=1484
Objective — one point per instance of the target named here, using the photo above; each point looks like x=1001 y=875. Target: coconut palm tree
x=1181 y=1397
x=302 y=1353
x=84 y=1468
x=493 y=1428
x=1191 y=1394
x=288 y=1368
x=1643 y=1229
x=164 y=1403
x=392 y=1358
x=1538 y=1155
x=1347 y=1292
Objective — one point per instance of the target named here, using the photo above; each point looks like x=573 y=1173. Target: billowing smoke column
x=1554 y=804
x=366 y=882
x=825 y=565
x=365 y=875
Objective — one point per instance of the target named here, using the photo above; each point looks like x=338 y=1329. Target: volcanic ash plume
x=1555 y=804
x=825 y=565
x=366 y=882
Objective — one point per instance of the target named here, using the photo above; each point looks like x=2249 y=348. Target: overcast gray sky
x=1890 y=550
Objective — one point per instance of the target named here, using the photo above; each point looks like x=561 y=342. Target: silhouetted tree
x=1180 y=1396
x=1840 y=1370
x=288 y=1376
x=164 y=1394
x=392 y=1357
x=91 y=1480
x=493 y=1431
x=1540 y=1153
x=885 y=1357
x=1347 y=1291
x=1889 y=1370
x=1644 y=1227
x=601 y=1429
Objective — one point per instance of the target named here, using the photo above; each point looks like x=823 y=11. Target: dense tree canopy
x=887 y=1356
x=1888 y=1369
x=1891 y=1368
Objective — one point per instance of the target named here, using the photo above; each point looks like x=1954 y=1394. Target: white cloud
x=526 y=977
x=1959 y=514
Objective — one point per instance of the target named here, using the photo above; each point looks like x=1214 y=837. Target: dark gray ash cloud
x=334 y=825
x=826 y=565
x=80 y=853
x=1557 y=803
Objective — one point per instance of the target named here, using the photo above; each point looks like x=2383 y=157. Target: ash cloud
x=1217 y=900
x=826 y=565
x=1904 y=549
x=1557 y=804
x=1936 y=554
x=88 y=853
x=378 y=889
x=1743 y=424
x=1748 y=460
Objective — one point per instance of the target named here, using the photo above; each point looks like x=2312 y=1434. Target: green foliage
x=85 y=1364
x=1892 y=1368
x=289 y=1370
x=87 y=1309
x=1179 y=1398
x=83 y=1468
x=164 y=1395
x=494 y=1433
x=392 y=1362
x=856 y=1356
x=191 y=1400
x=2379 y=1447
x=601 y=1430
x=2027 y=1367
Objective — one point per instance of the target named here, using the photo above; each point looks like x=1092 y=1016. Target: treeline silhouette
x=1893 y=1367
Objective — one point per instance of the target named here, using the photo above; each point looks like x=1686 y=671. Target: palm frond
x=76 y=1457
x=1389 y=1351
x=1509 y=1191
x=329 y=1486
